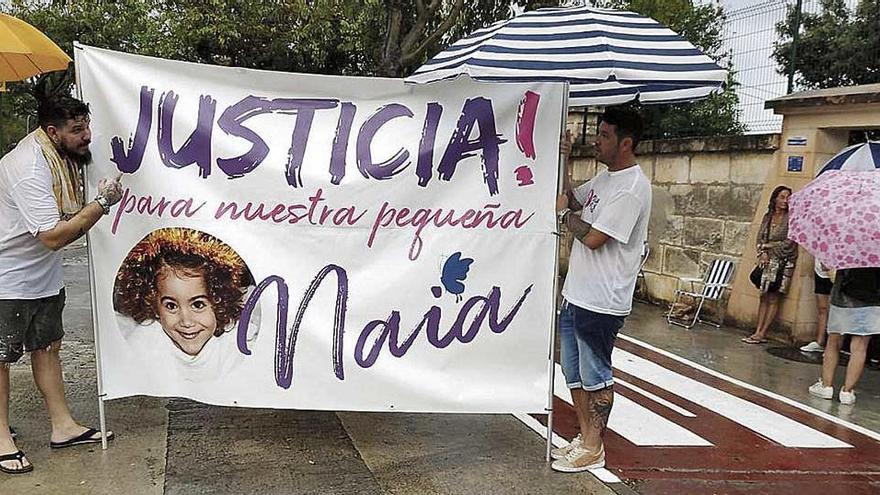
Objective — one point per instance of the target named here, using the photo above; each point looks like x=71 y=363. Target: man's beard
x=80 y=159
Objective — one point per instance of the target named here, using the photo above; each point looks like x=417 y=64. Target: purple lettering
x=304 y=109
x=231 y=121
x=340 y=142
x=426 y=144
x=285 y=346
x=476 y=111
x=197 y=148
x=369 y=128
x=131 y=161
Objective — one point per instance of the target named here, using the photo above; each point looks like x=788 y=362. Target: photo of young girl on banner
x=178 y=293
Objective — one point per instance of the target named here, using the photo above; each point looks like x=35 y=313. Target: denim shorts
x=29 y=324
x=586 y=340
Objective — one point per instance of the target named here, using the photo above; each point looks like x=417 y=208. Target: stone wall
x=706 y=192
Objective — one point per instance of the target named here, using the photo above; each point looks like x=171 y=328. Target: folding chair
x=713 y=283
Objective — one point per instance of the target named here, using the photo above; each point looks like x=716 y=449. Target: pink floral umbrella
x=837 y=218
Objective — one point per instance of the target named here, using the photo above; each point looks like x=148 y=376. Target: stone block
x=750 y=168
x=662 y=208
x=671 y=169
x=660 y=287
x=692 y=200
x=674 y=232
x=703 y=233
x=736 y=234
x=680 y=262
x=647 y=165
x=583 y=169
x=732 y=201
x=745 y=201
x=710 y=168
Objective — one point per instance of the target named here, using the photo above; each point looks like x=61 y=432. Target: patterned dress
x=783 y=253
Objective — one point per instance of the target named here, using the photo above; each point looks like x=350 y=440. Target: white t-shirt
x=28 y=269
x=217 y=358
x=820 y=271
x=617 y=204
x=173 y=371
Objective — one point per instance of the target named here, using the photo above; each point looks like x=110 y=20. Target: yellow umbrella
x=26 y=52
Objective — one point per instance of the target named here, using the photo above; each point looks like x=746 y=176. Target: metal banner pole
x=551 y=363
x=86 y=193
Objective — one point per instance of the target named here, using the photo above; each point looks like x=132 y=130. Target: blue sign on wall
x=795 y=164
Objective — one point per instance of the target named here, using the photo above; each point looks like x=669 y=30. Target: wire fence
x=749 y=33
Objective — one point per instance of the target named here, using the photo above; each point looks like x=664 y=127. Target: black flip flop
x=86 y=438
x=15 y=456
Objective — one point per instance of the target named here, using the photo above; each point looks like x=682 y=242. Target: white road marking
x=761 y=420
x=638 y=424
x=655 y=398
x=828 y=417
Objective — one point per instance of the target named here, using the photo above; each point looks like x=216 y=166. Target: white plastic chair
x=711 y=288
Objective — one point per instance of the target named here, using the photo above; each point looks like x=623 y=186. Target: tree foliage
x=701 y=24
x=342 y=37
x=836 y=46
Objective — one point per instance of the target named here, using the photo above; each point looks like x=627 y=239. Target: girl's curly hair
x=190 y=252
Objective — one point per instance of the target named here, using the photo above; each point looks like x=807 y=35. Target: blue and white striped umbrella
x=607 y=56
x=864 y=156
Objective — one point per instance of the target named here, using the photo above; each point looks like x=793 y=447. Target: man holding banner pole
x=41 y=211
x=610 y=233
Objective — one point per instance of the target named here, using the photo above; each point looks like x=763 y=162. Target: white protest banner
x=316 y=242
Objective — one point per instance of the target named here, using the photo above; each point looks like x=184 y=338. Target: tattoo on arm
x=573 y=203
x=577 y=227
x=600 y=408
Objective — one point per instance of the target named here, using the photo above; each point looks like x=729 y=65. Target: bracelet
x=103 y=203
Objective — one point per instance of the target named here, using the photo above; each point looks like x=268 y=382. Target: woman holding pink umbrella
x=855 y=311
x=836 y=217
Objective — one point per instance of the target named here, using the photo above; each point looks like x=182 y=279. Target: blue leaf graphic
x=455 y=272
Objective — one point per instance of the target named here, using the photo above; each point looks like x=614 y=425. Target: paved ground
x=696 y=412
x=699 y=412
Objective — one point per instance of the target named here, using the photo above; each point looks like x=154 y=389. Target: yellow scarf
x=66 y=182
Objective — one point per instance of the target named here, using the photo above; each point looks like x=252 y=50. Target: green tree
x=127 y=25
x=342 y=37
x=701 y=24
x=418 y=29
x=836 y=46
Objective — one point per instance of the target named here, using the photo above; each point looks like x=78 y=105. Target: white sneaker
x=813 y=347
x=580 y=459
x=819 y=390
x=847 y=398
x=560 y=452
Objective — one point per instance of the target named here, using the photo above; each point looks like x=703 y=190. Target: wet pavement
x=696 y=411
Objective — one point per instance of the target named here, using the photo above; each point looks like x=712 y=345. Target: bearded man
x=42 y=211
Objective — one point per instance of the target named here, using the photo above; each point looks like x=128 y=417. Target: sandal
x=752 y=340
x=15 y=456
x=87 y=437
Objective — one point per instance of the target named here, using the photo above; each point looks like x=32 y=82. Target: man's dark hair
x=626 y=121
x=57 y=110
